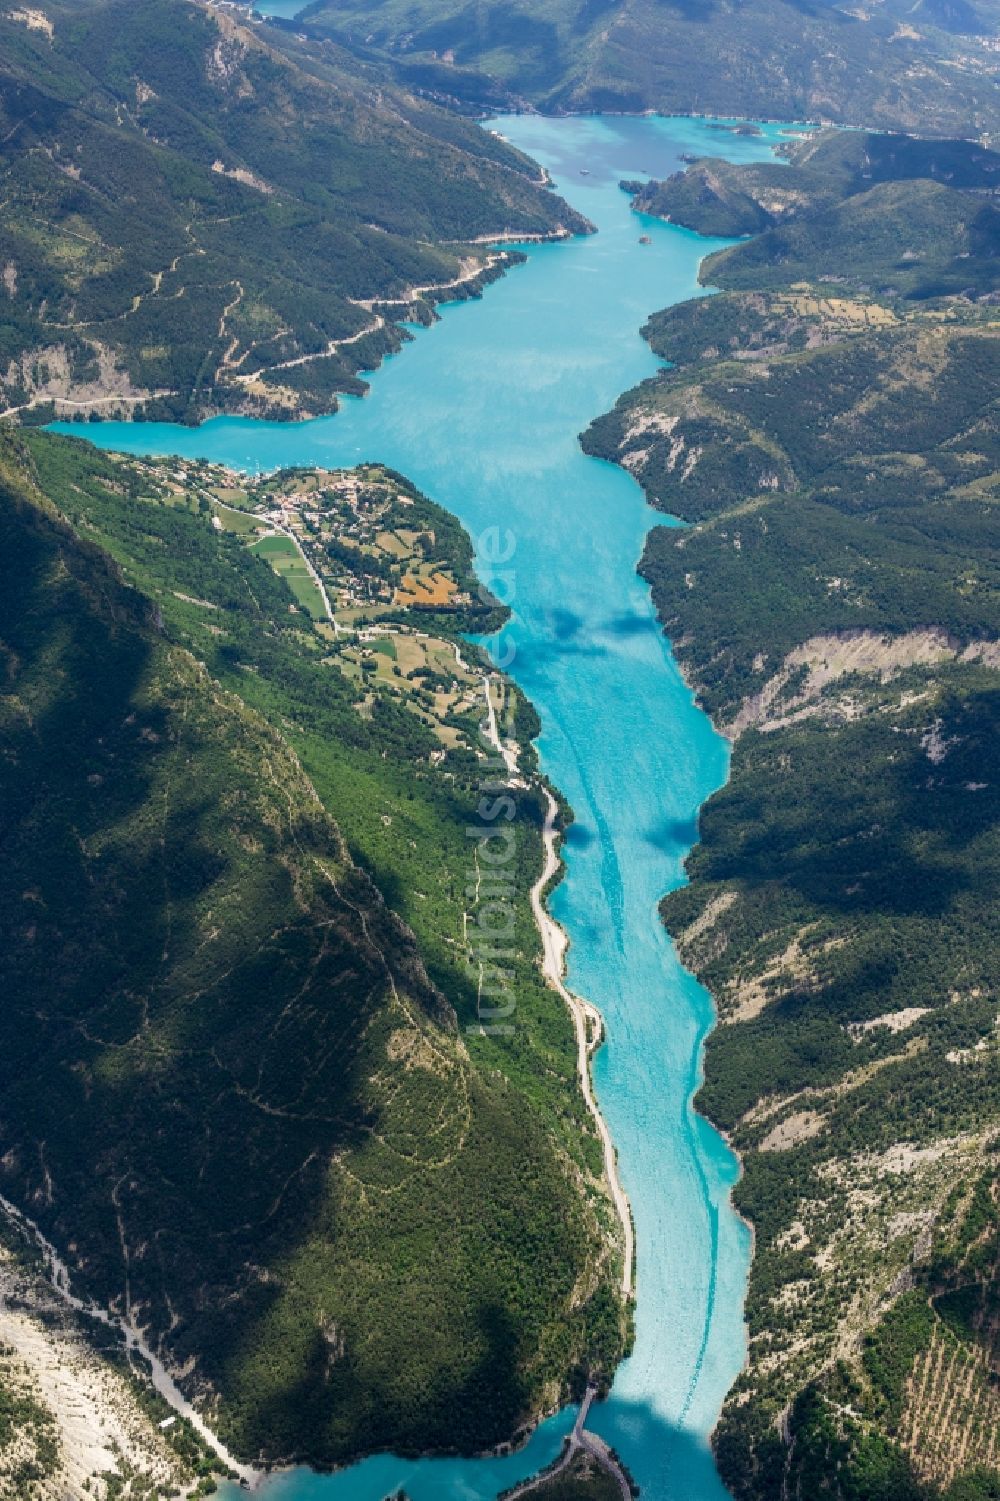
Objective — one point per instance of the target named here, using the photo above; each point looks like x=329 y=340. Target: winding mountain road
x=554 y=944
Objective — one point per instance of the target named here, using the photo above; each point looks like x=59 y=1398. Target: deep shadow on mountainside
x=829 y=431
x=233 y=1095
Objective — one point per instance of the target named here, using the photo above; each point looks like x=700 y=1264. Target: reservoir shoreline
x=555 y=943
x=621 y=737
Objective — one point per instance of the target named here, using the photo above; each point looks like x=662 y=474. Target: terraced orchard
x=951 y=1412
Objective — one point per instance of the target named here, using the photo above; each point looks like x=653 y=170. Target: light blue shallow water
x=483 y=412
x=286 y=9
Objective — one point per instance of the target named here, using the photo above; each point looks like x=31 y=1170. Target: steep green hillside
x=886 y=215
x=835 y=602
x=722 y=198
x=910 y=239
x=816 y=479
x=892 y=67
x=239 y=1093
x=200 y=214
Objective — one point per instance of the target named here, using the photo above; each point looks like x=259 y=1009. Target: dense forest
x=243 y=1076
x=894 y=217
x=820 y=170
x=833 y=599
x=581 y=1480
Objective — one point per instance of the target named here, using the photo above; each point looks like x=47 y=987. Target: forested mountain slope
x=929 y=69
x=835 y=602
x=818 y=171
x=884 y=214
x=202 y=215
x=240 y=1094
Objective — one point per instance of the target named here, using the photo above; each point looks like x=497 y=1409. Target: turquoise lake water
x=483 y=411
x=286 y=9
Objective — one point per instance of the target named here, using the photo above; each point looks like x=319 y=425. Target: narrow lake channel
x=483 y=413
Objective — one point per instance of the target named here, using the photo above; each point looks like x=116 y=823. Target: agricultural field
x=288 y=563
x=395 y=572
